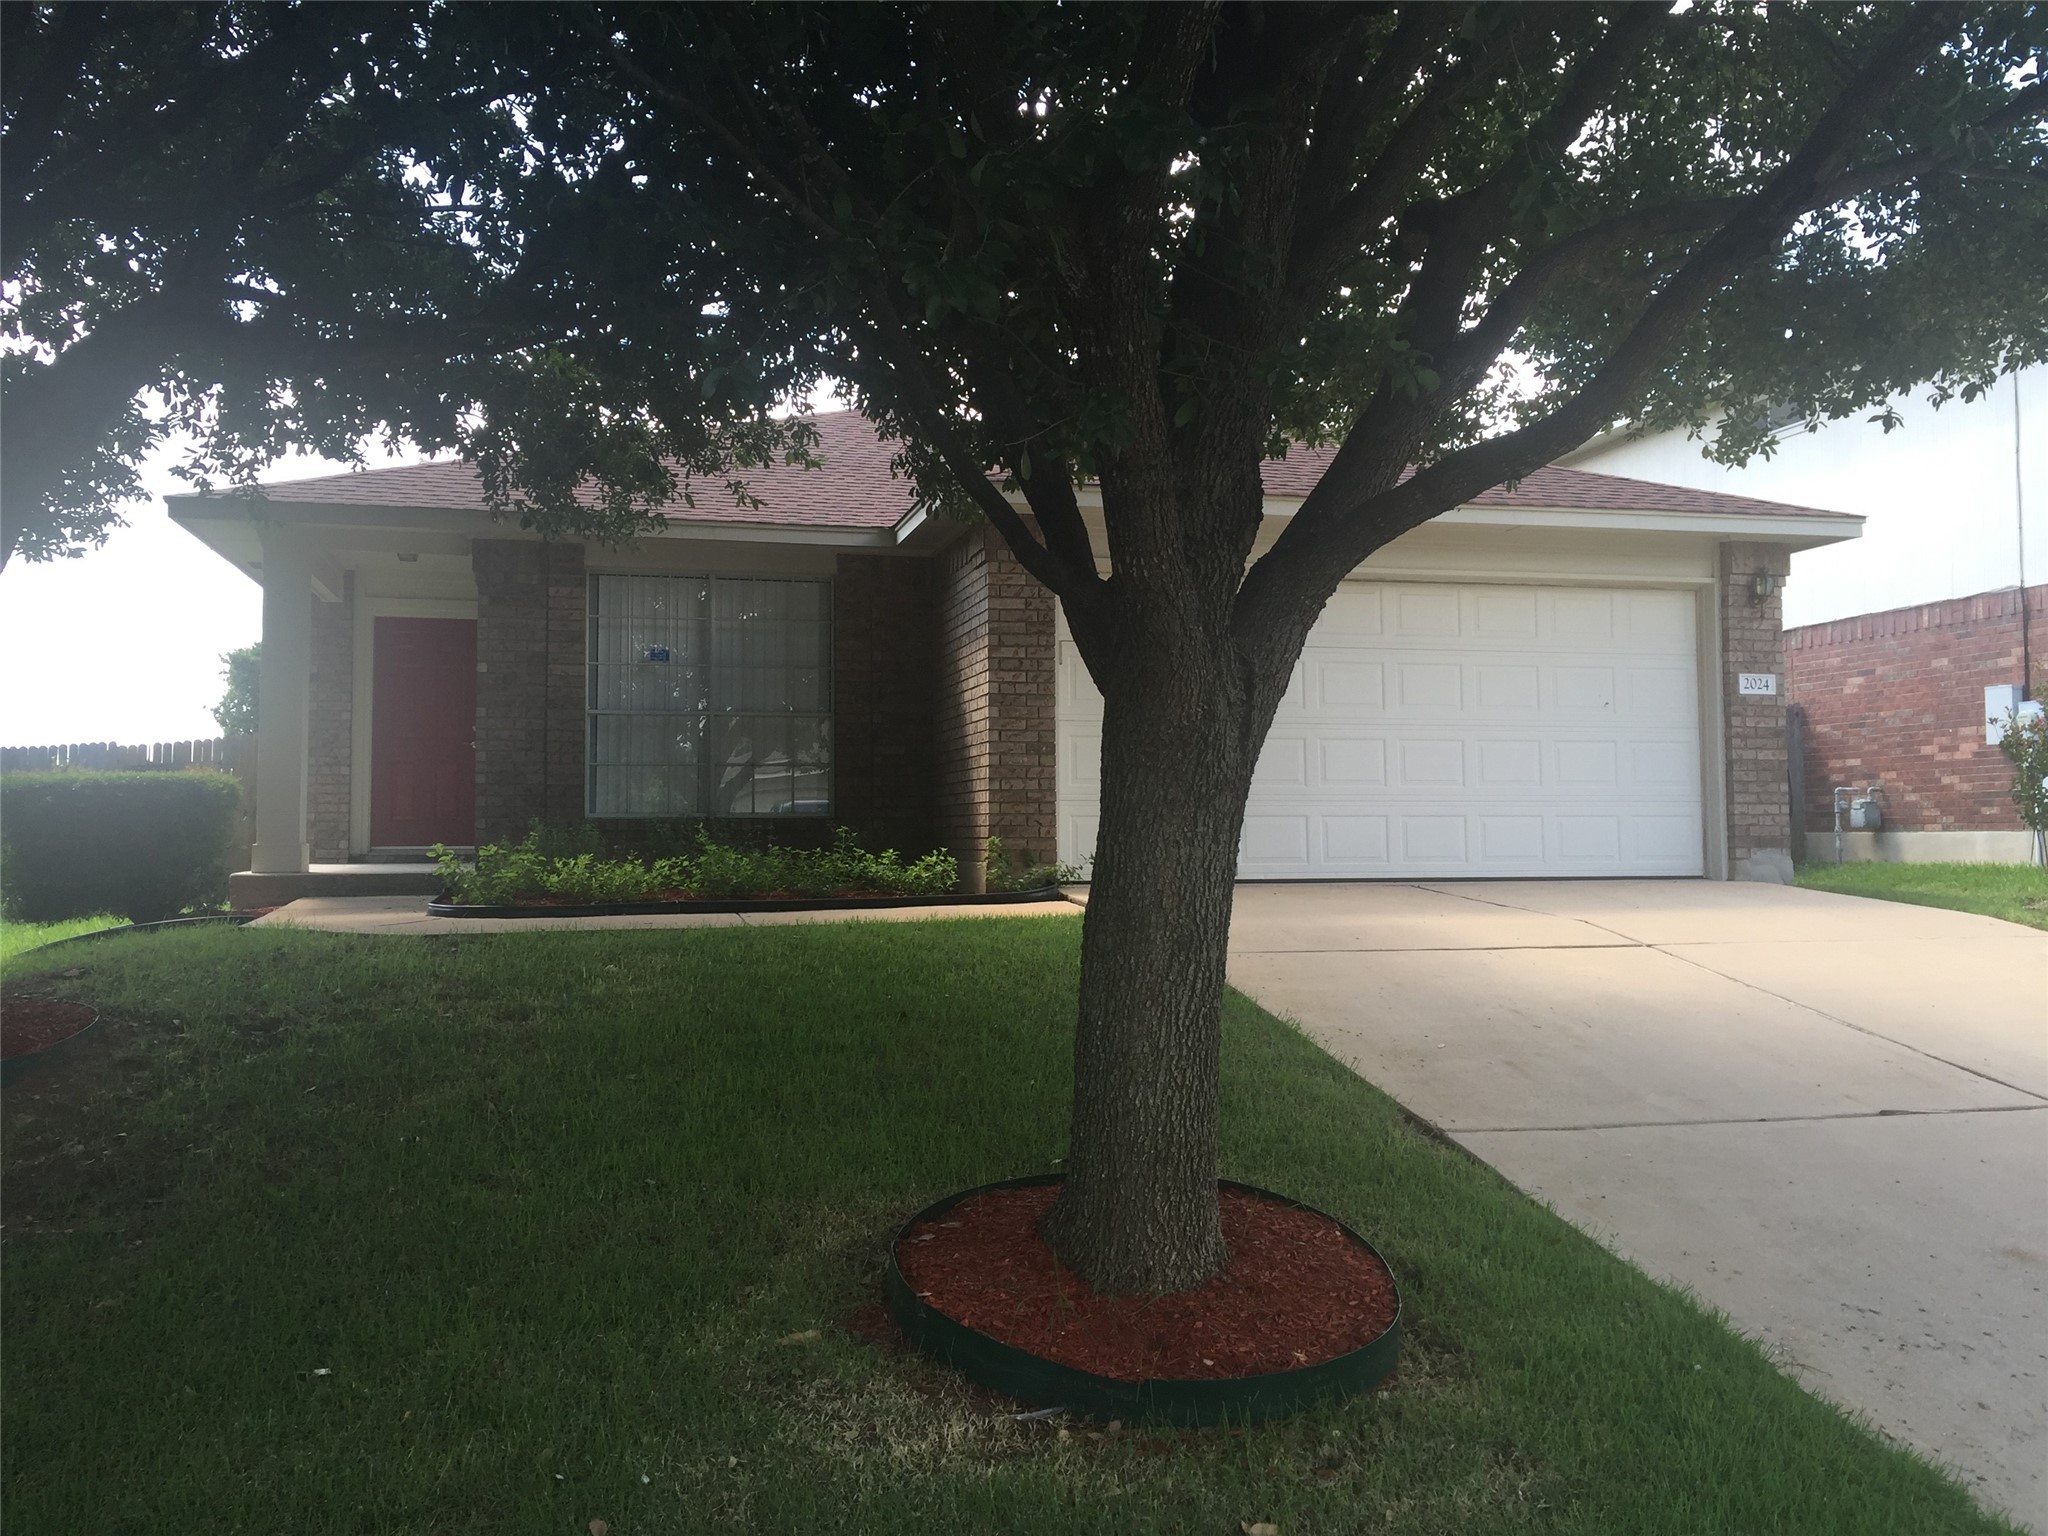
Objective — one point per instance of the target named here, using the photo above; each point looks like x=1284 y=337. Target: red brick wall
x=330 y=711
x=530 y=612
x=1759 y=791
x=996 y=743
x=1897 y=699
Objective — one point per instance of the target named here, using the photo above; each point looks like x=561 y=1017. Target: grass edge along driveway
x=395 y=1235
x=2017 y=893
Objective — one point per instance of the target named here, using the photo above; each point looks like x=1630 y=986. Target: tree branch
x=1358 y=506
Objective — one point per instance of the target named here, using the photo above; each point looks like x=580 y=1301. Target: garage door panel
x=1595 y=838
x=1347 y=761
x=1074 y=688
x=1437 y=729
x=1280 y=840
x=1430 y=764
x=1428 y=613
x=1658 y=621
x=1672 y=766
x=1080 y=761
x=1506 y=614
x=1431 y=687
x=1341 y=686
x=1516 y=840
x=1354 y=842
x=1510 y=762
x=1509 y=690
x=1433 y=840
x=1283 y=764
x=1582 y=617
x=1355 y=613
x=1587 y=764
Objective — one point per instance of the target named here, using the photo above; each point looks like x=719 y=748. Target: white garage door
x=1441 y=730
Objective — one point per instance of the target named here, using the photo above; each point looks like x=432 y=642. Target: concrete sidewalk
x=408 y=914
x=1827 y=1116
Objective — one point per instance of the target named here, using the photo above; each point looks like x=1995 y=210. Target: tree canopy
x=274 y=226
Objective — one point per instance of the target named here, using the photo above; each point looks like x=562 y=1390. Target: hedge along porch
x=1576 y=675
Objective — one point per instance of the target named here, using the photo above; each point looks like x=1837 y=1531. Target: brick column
x=1759 y=790
x=530 y=610
x=1022 y=658
x=331 y=703
x=883 y=676
x=997 y=768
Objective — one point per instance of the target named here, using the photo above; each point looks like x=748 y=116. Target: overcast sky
x=124 y=643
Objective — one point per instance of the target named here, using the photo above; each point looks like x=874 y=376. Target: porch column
x=281 y=705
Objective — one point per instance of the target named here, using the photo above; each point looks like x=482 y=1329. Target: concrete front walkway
x=408 y=914
x=1827 y=1116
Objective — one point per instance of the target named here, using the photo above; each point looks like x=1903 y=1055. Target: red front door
x=423 y=733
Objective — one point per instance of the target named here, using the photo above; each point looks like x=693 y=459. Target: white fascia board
x=1807 y=532
x=1796 y=529
x=400 y=521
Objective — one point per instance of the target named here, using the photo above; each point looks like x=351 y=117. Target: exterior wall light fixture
x=1764 y=586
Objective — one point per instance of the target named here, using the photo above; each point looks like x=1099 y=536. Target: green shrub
x=144 y=844
x=1001 y=872
x=550 y=863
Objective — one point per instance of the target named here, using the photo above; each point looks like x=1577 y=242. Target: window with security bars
x=710 y=696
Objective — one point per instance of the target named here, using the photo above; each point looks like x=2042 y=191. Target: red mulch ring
x=1297 y=1291
x=29 y=1024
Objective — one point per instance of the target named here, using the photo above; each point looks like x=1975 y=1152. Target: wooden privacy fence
x=222 y=754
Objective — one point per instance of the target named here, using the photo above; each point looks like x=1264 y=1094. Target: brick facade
x=884 y=682
x=1897 y=699
x=530 y=608
x=997 y=768
x=1758 y=790
x=330 y=714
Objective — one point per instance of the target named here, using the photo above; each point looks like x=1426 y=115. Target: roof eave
x=188 y=510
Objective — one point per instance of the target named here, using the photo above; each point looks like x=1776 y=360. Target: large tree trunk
x=1138 y=1211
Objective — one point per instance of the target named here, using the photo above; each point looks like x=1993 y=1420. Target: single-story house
x=1576 y=675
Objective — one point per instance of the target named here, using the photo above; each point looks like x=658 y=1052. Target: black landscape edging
x=119 y=929
x=440 y=908
x=14 y=1066
x=1043 y=1383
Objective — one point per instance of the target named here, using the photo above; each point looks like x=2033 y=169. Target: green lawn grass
x=501 y=1234
x=17 y=937
x=2016 y=892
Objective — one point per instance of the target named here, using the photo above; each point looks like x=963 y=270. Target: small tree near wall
x=236 y=710
x=2025 y=745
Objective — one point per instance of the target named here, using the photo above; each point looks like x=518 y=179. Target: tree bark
x=1138 y=1210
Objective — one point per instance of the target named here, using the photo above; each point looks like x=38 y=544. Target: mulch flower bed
x=29 y=1023
x=1296 y=1292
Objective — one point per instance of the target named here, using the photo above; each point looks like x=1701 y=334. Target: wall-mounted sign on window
x=1757 y=685
x=657 y=653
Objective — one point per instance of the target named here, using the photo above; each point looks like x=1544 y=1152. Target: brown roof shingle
x=853 y=488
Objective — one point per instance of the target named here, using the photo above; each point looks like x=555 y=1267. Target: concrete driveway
x=1827 y=1116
